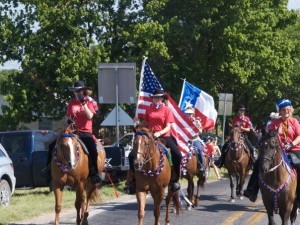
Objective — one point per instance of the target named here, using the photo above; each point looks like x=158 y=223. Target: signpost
x=117 y=84
x=225 y=108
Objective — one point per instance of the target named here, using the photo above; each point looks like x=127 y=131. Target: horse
x=70 y=166
x=152 y=174
x=277 y=181
x=191 y=170
x=237 y=162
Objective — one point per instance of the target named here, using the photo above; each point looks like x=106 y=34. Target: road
x=214 y=208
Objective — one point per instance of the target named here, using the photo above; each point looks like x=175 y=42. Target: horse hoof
x=188 y=208
x=232 y=200
x=174 y=210
x=241 y=197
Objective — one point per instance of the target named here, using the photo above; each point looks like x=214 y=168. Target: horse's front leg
x=58 y=201
x=271 y=217
x=79 y=202
x=232 y=188
x=293 y=215
x=141 y=199
x=190 y=189
x=197 y=196
x=158 y=197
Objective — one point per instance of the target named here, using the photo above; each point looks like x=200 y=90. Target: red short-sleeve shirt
x=293 y=131
x=158 y=117
x=76 y=111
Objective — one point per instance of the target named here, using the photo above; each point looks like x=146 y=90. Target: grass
x=27 y=204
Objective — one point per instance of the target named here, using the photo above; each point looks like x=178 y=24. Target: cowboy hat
x=78 y=85
x=159 y=93
x=189 y=111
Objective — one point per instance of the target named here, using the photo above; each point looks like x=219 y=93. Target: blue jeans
x=197 y=144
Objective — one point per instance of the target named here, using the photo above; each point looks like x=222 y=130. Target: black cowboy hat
x=159 y=93
x=78 y=85
x=242 y=107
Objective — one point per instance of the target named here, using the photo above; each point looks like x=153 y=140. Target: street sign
x=124 y=118
x=117 y=83
x=225 y=104
x=225 y=108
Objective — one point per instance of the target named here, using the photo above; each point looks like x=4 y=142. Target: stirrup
x=175 y=186
x=95 y=179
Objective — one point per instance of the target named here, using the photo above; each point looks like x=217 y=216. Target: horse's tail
x=176 y=202
x=92 y=192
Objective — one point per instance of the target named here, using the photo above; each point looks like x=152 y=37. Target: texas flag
x=202 y=102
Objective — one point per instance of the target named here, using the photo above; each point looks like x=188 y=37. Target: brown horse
x=152 y=173
x=237 y=162
x=277 y=180
x=192 y=170
x=70 y=166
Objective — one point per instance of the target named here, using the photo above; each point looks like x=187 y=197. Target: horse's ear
x=272 y=134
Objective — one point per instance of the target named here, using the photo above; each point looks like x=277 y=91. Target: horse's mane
x=145 y=130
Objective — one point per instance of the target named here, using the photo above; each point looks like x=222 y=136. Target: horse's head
x=235 y=134
x=142 y=148
x=268 y=146
x=67 y=147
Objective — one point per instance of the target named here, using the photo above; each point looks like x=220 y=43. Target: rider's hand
x=81 y=98
x=288 y=146
x=157 y=134
x=70 y=121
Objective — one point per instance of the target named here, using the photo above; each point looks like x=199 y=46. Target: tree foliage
x=248 y=48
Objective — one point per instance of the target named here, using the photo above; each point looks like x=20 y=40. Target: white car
x=7 y=178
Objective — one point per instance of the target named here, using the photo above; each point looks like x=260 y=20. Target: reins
x=147 y=157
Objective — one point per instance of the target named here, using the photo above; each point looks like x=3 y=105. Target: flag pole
x=140 y=85
x=182 y=91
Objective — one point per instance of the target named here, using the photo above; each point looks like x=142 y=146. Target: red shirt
x=210 y=148
x=243 y=121
x=76 y=111
x=158 y=117
x=287 y=131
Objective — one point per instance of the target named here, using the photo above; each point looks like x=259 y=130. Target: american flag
x=183 y=129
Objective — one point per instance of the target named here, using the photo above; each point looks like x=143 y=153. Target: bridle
x=147 y=154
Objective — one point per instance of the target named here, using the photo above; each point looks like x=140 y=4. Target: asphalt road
x=214 y=208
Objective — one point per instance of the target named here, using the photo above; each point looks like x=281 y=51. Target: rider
x=159 y=118
x=288 y=129
x=81 y=110
x=196 y=142
x=245 y=125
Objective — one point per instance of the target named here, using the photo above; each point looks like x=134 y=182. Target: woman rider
x=288 y=130
x=159 y=118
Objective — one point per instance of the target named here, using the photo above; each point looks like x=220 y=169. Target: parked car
x=117 y=157
x=7 y=178
x=28 y=150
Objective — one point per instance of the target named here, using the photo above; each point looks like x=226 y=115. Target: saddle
x=294 y=159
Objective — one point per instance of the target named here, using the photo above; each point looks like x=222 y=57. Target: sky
x=293 y=4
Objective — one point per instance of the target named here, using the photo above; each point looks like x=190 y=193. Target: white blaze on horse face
x=72 y=152
x=139 y=155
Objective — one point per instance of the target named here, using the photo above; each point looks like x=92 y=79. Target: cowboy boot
x=253 y=185
x=131 y=187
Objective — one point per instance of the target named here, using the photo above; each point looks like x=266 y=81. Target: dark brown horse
x=192 y=170
x=277 y=180
x=237 y=162
x=152 y=173
x=69 y=166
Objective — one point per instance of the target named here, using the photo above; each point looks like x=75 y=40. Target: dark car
x=28 y=150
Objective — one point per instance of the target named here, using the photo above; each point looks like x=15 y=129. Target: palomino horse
x=70 y=166
x=152 y=173
x=237 y=162
x=192 y=169
x=277 y=180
